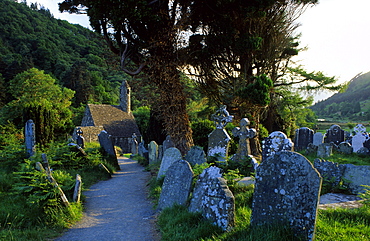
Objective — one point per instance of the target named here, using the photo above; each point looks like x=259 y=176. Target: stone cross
x=221 y=117
x=244 y=134
x=30 y=138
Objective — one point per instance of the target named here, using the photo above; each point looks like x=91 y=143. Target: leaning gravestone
x=218 y=139
x=303 y=136
x=196 y=155
x=170 y=156
x=275 y=142
x=335 y=134
x=213 y=199
x=153 y=152
x=106 y=143
x=318 y=139
x=287 y=191
x=30 y=138
x=176 y=185
x=244 y=134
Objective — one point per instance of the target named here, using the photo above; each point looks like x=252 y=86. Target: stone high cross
x=244 y=134
x=221 y=117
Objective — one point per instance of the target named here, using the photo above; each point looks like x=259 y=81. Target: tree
x=146 y=33
x=36 y=96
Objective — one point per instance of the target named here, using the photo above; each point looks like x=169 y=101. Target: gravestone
x=359 y=129
x=160 y=153
x=275 y=142
x=213 y=199
x=345 y=148
x=303 y=136
x=196 y=155
x=287 y=191
x=318 y=138
x=334 y=134
x=331 y=172
x=153 y=152
x=363 y=151
x=356 y=177
x=244 y=134
x=142 y=151
x=168 y=143
x=170 y=156
x=30 y=138
x=134 y=144
x=358 y=141
x=324 y=150
x=176 y=185
x=80 y=140
x=218 y=139
x=106 y=143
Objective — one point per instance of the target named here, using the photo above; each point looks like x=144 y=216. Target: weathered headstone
x=196 y=155
x=345 y=148
x=170 y=156
x=363 y=151
x=218 y=139
x=358 y=141
x=106 y=143
x=176 y=185
x=134 y=144
x=331 y=172
x=244 y=134
x=275 y=142
x=142 y=151
x=287 y=191
x=213 y=199
x=168 y=143
x=334 y=134
x=303 y=136
x=318 y=138
x=30 y=138
x=324 y=150
x=160 y=153
x=153 y=152
x=356 y=177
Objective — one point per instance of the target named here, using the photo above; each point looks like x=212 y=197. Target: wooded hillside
x=353 y=104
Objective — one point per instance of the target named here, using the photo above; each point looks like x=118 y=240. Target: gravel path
x=117 y=209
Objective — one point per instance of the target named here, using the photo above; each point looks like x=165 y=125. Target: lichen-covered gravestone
x=196 y=155
x=287 y=192
x=218 y=139
x=335 y=134
x=345 y=148
x=212 y=197
x=324 y=150
x=303 y=136
x=30 y=138
x=170 y=156
x=244 y=134
x=275 y=142
x=331 y=172
x=176 y=185
x=153 y=152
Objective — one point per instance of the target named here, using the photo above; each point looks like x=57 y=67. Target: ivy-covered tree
x=36 y=96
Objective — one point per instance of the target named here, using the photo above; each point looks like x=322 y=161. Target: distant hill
x=351 y=105
x=76 y=56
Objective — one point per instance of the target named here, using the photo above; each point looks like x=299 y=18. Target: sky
x=336 y=33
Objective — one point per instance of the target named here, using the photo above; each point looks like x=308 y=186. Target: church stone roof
x=112 y=118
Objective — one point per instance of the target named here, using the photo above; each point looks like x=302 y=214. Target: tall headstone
x=176 y=185
x=142 y=151
x=134 y=144
x=30 y=138
x=358 y=141
x=153 y=152
x=213 y=199
x=303 y=136
x=275 y=142
x=196 y=155
x=287 y=191
x=318 y=138
x=335 y=134
x=244 y=134
x=170 y=156
x=218 y=139
x=106 y=143
x=80 y=139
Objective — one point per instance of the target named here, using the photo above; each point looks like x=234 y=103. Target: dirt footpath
x=117 y=209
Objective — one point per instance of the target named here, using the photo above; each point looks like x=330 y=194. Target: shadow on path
x=117 y=209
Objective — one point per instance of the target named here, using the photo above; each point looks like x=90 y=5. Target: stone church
x=117 y=120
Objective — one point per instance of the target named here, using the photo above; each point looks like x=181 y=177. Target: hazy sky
x=336 y=33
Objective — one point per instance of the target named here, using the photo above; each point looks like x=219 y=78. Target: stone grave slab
x=196 y=155
x=170 y=156
x=153 y=152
